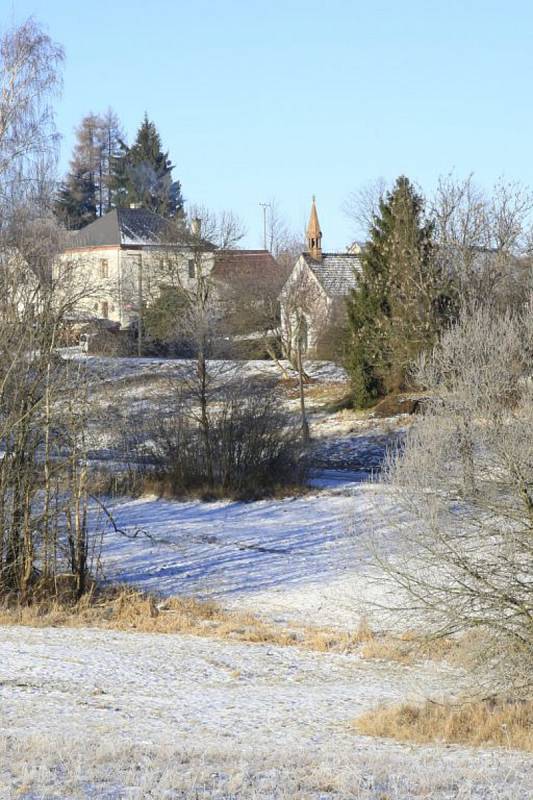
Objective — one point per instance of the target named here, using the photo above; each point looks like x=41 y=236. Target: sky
x=285 y=99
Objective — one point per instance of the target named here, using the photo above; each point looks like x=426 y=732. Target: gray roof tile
x=121 y=226
x=336 y=272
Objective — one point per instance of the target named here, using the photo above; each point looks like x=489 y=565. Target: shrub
x=244 y=448
x=464 y=480
x=496 y=723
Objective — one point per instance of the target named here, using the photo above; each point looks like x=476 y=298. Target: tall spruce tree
x=75 y=204
x=401 y=298
x=142 y=174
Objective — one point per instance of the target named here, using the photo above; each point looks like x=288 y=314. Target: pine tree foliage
x=401 y=299
x=75 y=204
x=142 y=174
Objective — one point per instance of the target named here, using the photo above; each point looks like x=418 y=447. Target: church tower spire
x=314 y=235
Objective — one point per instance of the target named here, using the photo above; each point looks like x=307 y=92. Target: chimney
x=196 y=226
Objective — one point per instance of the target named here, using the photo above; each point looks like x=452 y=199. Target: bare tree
x=483 y=238
x=43 y=486
x=222 y=229
x=29 y=78
x=284 y=243
x=223 y=433
x=464 y=478
x=362 y=205
x=194 y=314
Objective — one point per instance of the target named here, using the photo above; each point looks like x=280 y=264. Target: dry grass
x=163 y=487
x=494 y=723
x=88 y=764
x=410 y=647
x=127 y=609
x=405 y=649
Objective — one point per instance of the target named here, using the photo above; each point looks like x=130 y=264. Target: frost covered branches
x=29 y=78
x=43 y=480
x=465 y=477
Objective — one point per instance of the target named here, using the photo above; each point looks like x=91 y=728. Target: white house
x=122 y=257
x=122 y=260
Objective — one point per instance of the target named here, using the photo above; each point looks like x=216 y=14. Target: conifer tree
x=142 y=174
x=401 y=299
x=109 y=139
x=85 y=193
x=75 y=204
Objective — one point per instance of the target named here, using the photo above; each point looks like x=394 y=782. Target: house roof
x=124 y=227
x=336 y=272
x=256 y=267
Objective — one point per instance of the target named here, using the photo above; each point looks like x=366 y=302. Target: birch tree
x=43 y=484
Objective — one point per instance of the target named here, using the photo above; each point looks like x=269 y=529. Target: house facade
x=119 y=264
x=120 y=260
x=315 y=290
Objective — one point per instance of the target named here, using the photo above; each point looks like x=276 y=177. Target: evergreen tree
x=109 y=138
x=142 y=174
x=401 y=297
x=75 y=204
x=85 y=194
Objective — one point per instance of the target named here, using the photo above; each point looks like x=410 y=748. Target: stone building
x=313 y=294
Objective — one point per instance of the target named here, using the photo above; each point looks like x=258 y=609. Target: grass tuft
x=496 y=723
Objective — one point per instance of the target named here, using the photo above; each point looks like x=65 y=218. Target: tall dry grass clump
x=127 y=609
x=492 y=723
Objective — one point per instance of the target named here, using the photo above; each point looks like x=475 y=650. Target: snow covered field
x=300 y=559
x=94 y=714
x=116 y=369
x=104 y=714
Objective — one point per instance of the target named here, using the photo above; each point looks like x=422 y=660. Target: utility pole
x=140 y=308
x=264 y=206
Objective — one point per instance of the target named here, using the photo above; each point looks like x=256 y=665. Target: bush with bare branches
x=243 y=446
x=465 y=478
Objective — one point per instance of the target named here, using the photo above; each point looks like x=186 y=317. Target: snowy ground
x=116 y=369
x=102 y=714
x=88 y=713
x=304 y=559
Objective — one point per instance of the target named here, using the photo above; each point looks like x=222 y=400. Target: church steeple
x=314 y=235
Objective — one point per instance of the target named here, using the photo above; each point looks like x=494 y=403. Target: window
x=104 y=268
x=105 y=309
x=192 y=270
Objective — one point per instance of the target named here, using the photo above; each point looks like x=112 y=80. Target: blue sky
x=266 y=99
